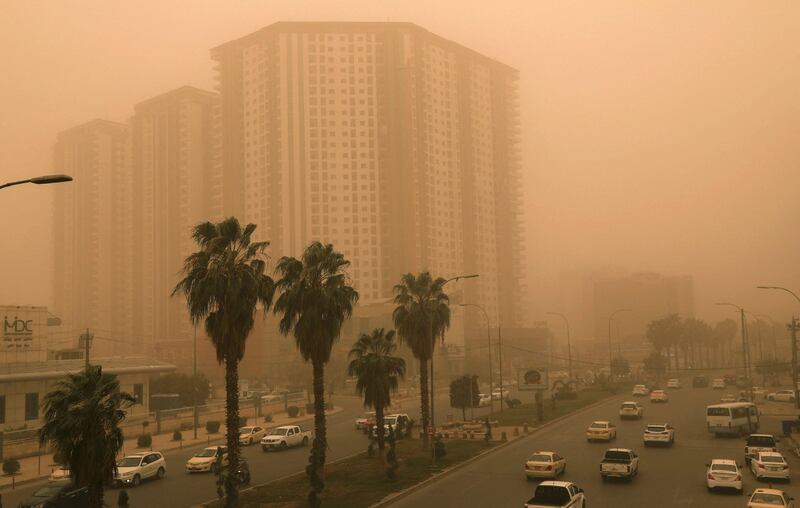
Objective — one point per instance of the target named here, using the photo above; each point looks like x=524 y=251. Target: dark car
x=61 y=494
x=700 y=381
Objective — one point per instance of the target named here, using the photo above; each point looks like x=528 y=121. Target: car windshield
x=550 y=495
x=772 y=458
x=278 y=432
x=656 y=428
x=765 y=441
x=760 y=497
x=597 y=425
x=49 y=490
x=246 y=430
x=724 y=467
x=540 y=457
x=208 y=452
x=129 y=462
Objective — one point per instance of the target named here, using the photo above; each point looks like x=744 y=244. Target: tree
x=664 y=333
x=464 y=393
x=697 y=335
x=315 y=300
x=422 y=314
x=82 y=416
x=377 y=372
x=654 y=363
x=224 y=283
x=724 y=333
x=184 y=385
x=620 y=366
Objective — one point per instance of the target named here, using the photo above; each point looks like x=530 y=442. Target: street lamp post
x=40 y=180
x=489 y=344
x=569 y=346
x=610 y=351
x=745 y=346
x=793 y=329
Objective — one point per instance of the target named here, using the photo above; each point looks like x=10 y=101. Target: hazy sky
x=661 y=136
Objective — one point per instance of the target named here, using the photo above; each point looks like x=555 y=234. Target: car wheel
x=160 y=473
x=284 y=445
x=305 y=441
x=136 y=480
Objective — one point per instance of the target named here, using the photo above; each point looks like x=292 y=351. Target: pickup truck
x=281 y=438
x=562 y=494
x=756 y=443
x=619 y=463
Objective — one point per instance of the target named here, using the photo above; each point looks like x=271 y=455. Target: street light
x=793 y=328
x=489 y=341
x=745 y=345
x=610 y=353
x=569 y=347
x=40 y=180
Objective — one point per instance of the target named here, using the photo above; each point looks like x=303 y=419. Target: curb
x=391 y=498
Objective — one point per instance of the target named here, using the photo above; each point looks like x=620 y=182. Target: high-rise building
x=396 y=145
x=90 y=228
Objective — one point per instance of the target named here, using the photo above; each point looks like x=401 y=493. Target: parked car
x=484 y=400
x=770 y=498
x=250 y=435
x=545 y=465
x=631 y=410
x=366 y=420
x=58 y=494
x=601 y=431
x=723 y=474
x=674 y=383
x=286 y=436
x=757 y=443
x=60 y=473
x=769 y=465
x=718 y=384
x=206 y=459
x=619 y=463
x=758 y=392
x=550 y=494
x=659 y=396
x=393 y=422
x=132 y=469
x=781 y=396
x=640 y=391
x=700 y=381
x=661 y=433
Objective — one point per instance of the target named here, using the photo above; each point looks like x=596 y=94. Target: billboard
x=22 y=328
x=531 y=379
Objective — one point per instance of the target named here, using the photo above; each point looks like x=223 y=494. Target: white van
x=735 y=418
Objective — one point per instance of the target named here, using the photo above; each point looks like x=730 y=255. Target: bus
x=736 y=418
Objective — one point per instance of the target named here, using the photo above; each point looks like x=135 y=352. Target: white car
x=132 y=469
x=781 y=396
x=759 y=392
x=723 y=474
x=498 y=394
x=659 y=396
x=206 y=459
x=718 y=384
x=484 y=400
x=674 y=383
x=770 y=498
x=662 y=433
x=640 y=391
x=365 y=420
x=631 y=410
x=545 y=465
x=60 y=473
x=601 y=431
x=727 y=398
x=250 y=435
x=549 y=494
x=769 y=465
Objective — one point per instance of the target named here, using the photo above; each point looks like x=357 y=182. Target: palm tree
x=664 y=333
x=377 y=373
x=421 y=315
x=224 y=282
x=81 y=419
x=315 y=300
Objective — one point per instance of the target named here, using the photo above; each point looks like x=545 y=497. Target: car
x=659 y=396
x=551 y=494
x=718 y=384
x=699 y=381
x=498 y=394
x=619 y=463
x=757 y=443
x=640 y=391
x=659 y=433
x=484 y=400
x=393 y=422
x=770 y=498
x=132 y=469
x=366 y=420
x=249 y=435
x=728 y=398
x=631 y=410
x=285 y=436
x=58 y=494
x=206 y=460
x=781 y=396
x=730 y=379
x=758 y=392
x=59 y=473
x=545 y=465
x=723 y=474
x=674 y=383
x=601 y=431
x=769 y=465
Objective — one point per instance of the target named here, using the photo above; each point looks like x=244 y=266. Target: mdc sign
x=531 y=379
x=21 y=327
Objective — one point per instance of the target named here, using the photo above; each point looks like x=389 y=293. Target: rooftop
x=31 y=371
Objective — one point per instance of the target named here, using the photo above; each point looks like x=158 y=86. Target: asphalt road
x=181 y=490
x=669 y=477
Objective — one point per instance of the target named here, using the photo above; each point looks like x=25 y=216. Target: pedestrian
x=122 y=500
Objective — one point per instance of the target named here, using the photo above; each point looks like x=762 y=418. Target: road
x=669 y=477
x=181 y=490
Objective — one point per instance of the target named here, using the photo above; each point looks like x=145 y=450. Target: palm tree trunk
x=424 y=400
x=380 y=429
x=316 y=462
x=232 y=429
x=96 y=494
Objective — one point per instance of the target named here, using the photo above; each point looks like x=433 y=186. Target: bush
x=310 y=408
x=177 y=436
x=268 y=418
x=512 y=403
x=144 y=441
x=242 y=421
x=212 y=427
x=11 y=466
x=292 y=411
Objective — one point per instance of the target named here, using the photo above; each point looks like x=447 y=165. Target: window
x=31 y=406
x=2 y=409
x=138 y=393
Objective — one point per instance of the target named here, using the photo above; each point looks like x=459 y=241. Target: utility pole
x=746 y=355
x=793 y=327
x=87 y=344
x=500 y=356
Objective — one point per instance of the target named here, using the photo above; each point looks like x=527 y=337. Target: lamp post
x=569 y=346
x=793 y=329
x=745 y=345
x=489 y=344
x=40 y=180
x=610 y=351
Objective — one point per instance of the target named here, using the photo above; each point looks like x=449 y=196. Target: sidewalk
x=34 y=469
